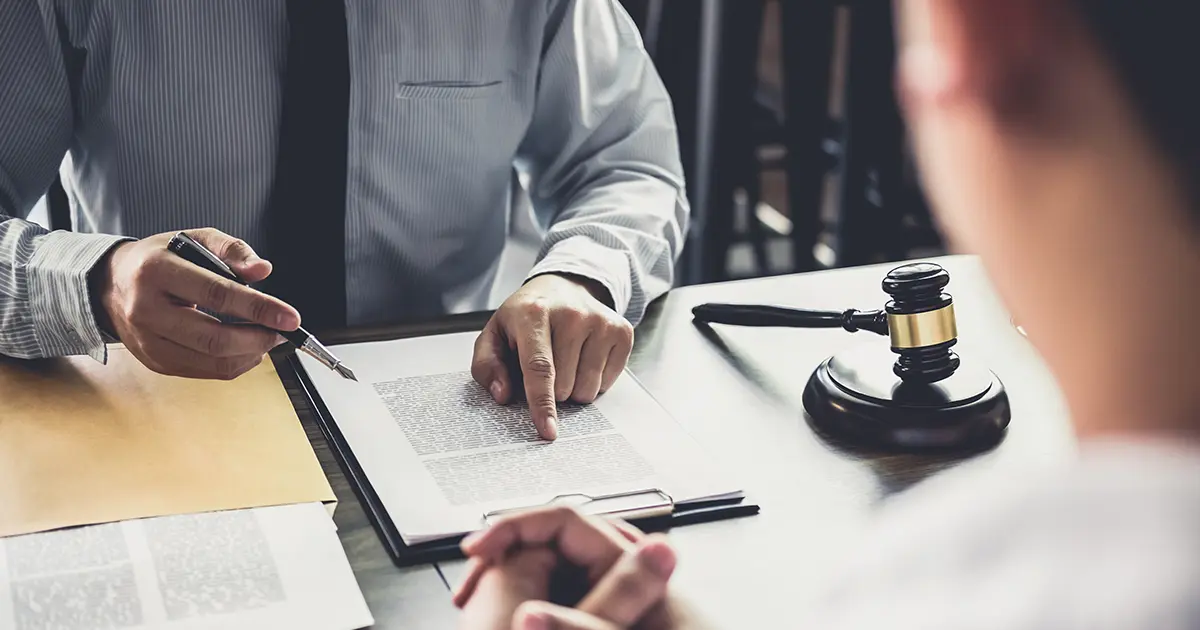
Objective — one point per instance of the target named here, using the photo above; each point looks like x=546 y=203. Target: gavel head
x=921 y=322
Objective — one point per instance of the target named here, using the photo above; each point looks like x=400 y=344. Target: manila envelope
x=83 y=442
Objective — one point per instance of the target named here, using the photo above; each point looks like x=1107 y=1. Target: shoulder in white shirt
x=1110 y=539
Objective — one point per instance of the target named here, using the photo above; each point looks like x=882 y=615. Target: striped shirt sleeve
x=45 y=307
x=603 y=156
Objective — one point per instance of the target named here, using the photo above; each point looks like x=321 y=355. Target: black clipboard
x=448 y=549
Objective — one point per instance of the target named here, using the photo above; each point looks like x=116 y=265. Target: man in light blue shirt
x=202 y=114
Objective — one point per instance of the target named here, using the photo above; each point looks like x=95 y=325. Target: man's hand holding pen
x=148 y=298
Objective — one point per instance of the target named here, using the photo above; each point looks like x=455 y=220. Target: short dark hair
x=1151 y=44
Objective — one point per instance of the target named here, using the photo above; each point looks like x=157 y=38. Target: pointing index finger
x=537 y=368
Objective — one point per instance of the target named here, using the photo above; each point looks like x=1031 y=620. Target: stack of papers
x=130 y=499
x=273 y=567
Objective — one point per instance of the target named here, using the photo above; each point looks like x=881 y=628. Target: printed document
x=273 y=567
x=442 y=455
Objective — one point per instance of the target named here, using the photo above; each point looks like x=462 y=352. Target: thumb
x=538 y=615
x=488 y=365
x=634 y=584
x=234 y=252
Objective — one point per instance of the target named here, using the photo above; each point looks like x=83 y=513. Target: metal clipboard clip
x=630 y=505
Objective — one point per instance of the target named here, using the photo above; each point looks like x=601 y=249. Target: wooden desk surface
x=738 y=392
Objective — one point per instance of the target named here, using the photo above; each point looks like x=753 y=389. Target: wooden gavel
x=919 y=320
x=928 y=399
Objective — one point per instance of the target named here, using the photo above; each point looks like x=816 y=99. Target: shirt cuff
x=581 y=256
x=60 y=302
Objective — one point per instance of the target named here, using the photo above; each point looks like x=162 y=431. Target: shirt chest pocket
x=462 y=124
x=450 y=90
x=465 y=125
x=437 y=155
x=447 y=100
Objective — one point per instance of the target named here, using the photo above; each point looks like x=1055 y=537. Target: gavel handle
x=761 y=315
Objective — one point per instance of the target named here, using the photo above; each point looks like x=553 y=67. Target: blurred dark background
x=791 y=139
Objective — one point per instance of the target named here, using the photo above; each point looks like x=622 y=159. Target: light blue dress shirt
x=167 y=112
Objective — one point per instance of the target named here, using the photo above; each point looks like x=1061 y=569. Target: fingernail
x=252 y=259
x=470 y=540
x=658 y=558
x=496 y=390
x=537 y=621
x=551 y=428
x=286 y=321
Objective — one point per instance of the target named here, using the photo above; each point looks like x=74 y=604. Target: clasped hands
x=555 y=339
x=556 y=569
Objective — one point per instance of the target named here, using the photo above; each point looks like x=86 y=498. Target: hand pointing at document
x=555 y=339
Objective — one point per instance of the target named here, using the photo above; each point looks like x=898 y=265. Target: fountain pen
x=187 y=248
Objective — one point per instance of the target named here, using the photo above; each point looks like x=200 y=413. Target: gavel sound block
x=916 y=393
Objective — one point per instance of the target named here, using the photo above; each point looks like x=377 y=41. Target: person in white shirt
x=1057 y=141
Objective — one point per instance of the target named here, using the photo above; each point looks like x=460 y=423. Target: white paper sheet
x=276 y=567
x=440 y=453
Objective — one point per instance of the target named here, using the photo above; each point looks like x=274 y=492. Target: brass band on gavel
x=921 y=330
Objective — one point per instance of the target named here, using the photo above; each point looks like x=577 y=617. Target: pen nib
x=345 y=372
